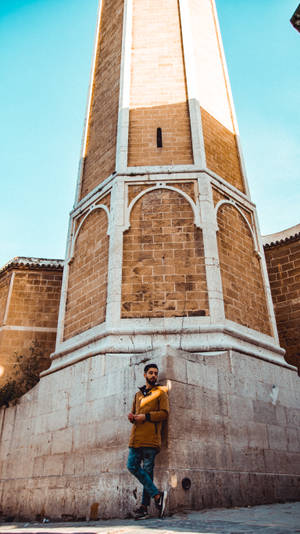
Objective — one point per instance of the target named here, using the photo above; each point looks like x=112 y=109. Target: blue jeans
x=143 y=474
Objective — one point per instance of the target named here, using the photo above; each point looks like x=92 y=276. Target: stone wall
x=163 y=261
x=221 y=150
x=243 y=287
x=29 y=299
x=158 y=97
x=282 y=253
x=233 y=431
x=100 y=150
x=87 y=283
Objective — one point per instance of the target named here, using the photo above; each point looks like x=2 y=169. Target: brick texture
x=158 y=89
x=244 y=295
x=35 y=299
x=86 y=298
x=100 y=155
x=221 y=150
x=163 y=262
x=283 y=263
x=34 y=303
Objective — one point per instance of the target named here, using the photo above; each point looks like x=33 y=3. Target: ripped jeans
x=143 y=474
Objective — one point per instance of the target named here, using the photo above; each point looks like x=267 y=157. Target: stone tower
x=163 y=245
x=164 y=263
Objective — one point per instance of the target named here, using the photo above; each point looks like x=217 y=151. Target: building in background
x=29 y=300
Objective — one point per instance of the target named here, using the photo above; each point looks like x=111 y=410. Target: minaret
x=164 y=263
x=163 y=246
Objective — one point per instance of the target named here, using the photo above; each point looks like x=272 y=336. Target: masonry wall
x=283 y=263
x=30 y=316
x=238 y=444
x=243 y=287
x=222 y=156
x=158 y=97
x=100 y=156
x=87 y=281
x=163 y=259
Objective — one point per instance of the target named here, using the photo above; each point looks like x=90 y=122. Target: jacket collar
x=146 y=391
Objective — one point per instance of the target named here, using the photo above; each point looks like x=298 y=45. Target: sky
x=46 y=50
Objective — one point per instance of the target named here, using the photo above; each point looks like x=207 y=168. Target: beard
x=151 y=381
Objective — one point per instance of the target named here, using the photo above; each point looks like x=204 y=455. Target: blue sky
x=45 y=56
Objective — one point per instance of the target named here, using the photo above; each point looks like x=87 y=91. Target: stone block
x=54 y=465
x=264 y=412
x=257 y=435
x=293 y=441
x=277 y=437
x=200 y=375
x=293 y=417
x=62 y=441
x=240 y=408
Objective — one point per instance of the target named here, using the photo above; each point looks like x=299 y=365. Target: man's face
x=151 y=376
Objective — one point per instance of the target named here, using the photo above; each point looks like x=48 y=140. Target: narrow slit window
x=159 y=138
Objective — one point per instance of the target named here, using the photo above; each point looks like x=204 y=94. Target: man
x=149 y=409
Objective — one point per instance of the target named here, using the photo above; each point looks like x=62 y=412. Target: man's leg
x=134 y=466
x=149 y=454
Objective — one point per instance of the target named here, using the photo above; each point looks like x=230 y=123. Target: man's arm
x=163 y=412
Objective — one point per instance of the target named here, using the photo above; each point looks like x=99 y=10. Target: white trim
x=28 y=328
x=140 y=336
x=161 y=185
x=194 y=105
x=99 y=191
x=232 y=203
x=124 y=95
x=179 y=326
x=88 y=107
x=160 y=173
x=115 y=258
x=64 y=287
x=211 y=252
x=10 y=289
x=158 y=169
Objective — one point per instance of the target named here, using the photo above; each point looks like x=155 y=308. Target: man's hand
x=140 y=418
x=131 y=417
x=136 y=418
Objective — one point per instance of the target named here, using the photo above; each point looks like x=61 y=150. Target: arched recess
x=92 y=208
x=231 y=203
x=163 y=258
x=162 y=185
x=243 y=286
x=87 y=281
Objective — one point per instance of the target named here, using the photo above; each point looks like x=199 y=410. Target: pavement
x=265 y=519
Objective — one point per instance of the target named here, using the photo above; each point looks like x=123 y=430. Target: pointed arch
x=91 y=210
x=161 y=185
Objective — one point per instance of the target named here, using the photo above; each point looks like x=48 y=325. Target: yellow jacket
x=154 y=403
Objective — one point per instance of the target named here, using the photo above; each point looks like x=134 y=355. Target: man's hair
x=148 y=366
